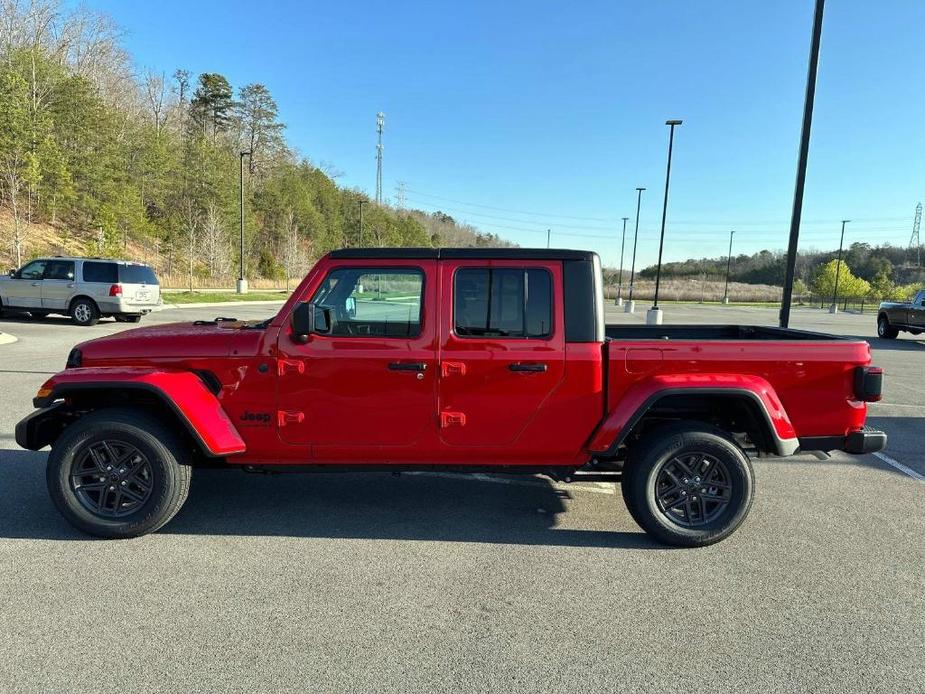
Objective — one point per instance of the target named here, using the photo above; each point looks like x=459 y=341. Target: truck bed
x=811 y=373
x=710 y=332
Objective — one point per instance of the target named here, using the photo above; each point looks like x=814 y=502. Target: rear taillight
x=868 y=383
x=115 y=290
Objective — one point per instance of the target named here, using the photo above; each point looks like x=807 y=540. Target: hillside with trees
x=98 y=159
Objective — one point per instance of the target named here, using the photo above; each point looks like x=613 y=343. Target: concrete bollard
x=629 y=307
x=654 y=316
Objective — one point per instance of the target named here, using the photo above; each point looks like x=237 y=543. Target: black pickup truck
x=908 y=316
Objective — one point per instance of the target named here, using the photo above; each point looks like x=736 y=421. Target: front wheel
x=118 y=474
x=688 y=485
x=885 y=330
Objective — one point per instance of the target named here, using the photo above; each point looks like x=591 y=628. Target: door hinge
x=284 y=365
x=452 y=419
x=284 y=417
x=452 y=368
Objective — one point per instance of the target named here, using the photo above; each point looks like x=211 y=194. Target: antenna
x=380 y=122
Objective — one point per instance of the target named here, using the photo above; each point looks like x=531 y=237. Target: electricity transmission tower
x=915 y=241
x=401 y=194
x=380 y=121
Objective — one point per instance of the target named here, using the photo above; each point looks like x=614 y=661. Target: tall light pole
x=241 y=287
x=801 y=165
x=362 y=202
x=728 y=266
x=630 y=306
x=619 y=301
x=654 y=315
x=834 y=307
x=548 y=238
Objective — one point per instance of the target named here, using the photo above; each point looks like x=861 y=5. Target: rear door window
x=59 y=270
x=137 y=274
x=502 y=302
x=106 y=273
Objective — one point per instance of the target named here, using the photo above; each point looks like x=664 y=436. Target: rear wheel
x=688 y=485
x=885 y=330
x=84 y=312
x=118 y=474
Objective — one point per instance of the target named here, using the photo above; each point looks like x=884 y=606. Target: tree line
x=106 y=160
x=881 y=271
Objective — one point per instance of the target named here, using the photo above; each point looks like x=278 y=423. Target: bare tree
x=214 y=241
x=190 y=219
x=291 y=251
x=156 y=95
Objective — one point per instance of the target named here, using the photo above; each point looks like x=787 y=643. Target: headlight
x=74 y=359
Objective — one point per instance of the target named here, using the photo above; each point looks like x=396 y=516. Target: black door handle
x=408 y=366
x=518 y=366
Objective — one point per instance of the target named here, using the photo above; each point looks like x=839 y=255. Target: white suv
x=86 y=289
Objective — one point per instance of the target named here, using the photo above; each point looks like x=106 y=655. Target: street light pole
x=801 y=165
x=654 y=316
x=548 y=238
x=242 y=283
x=728 y=265
x=619 y=301
x=834 y=307
x=630 y=306
x=362 y=202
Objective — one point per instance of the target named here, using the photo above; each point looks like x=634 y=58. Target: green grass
x=214 y=297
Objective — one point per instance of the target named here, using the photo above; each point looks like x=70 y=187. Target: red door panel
x=492 y=386
x=361 y=390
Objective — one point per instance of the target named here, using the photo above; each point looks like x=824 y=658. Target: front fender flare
x=183 y=392
x=642 y=396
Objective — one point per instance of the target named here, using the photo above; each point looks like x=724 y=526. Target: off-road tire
x=165 y=453
x=84 y=312
x=664 y=444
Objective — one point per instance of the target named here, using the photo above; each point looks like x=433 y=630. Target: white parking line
x=899 y=466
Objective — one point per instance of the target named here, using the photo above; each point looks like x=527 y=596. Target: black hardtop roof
x=464 y=253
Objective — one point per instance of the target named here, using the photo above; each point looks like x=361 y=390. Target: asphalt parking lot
x=441 y=583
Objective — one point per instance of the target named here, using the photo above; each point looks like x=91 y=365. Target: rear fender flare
x=182 y=392
x=645 y=395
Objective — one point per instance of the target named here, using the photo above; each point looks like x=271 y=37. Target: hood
x=173 y=340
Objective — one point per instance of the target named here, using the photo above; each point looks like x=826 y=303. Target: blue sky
x=518 y=116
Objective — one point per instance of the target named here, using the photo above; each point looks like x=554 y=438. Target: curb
x=216 y=304
x=7 y=339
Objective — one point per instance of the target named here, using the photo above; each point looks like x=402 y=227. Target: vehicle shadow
x=904 y=342
x=339 y=506
x=9 y=317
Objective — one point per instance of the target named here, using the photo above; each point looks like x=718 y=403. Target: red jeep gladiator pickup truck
x=453 y=359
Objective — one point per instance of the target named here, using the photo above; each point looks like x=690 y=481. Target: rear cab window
x=505 y=302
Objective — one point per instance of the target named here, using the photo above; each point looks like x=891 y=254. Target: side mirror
x=12 y=274
x=305 y=321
